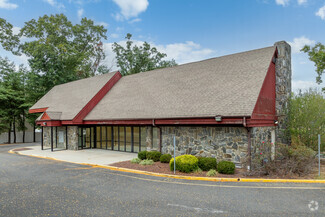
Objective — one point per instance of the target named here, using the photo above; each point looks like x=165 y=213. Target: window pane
x=109 y=138
x=136 y=138
x=115 y=138
x=122 y=139
x=128 y=139
x=104 y=137
x=143 y=139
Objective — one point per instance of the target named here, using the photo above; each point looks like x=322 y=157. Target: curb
x=120 y=169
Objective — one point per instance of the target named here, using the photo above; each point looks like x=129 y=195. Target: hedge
x=184 y=163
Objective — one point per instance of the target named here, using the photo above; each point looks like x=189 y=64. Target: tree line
x=58 y=52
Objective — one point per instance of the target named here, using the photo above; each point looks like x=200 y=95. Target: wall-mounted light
x=44 y=123
x=218 y=118
x=276 y=122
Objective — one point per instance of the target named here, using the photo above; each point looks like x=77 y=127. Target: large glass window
x=109 y=138
x=116 y=138
x=143 y=139
x=136 y=137
x=122 y=141
x=128 y=139
x=98 y=138
x=103 y=139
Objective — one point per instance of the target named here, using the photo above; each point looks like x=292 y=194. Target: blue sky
x=191 y=30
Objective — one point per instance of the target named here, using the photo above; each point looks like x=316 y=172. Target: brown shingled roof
x=227 y=86
x=65 y=101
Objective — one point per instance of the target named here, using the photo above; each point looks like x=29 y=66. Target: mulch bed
x=163 y=168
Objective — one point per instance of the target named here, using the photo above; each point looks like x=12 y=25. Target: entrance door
x=86 y=137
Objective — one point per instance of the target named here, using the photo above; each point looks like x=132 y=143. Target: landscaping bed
x=164 y=168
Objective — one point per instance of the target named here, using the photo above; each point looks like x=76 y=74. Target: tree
x=134 y=59
x=307 y=117
x=317 y=55
x=12 y=97
x=61 y=52
x=8 y=40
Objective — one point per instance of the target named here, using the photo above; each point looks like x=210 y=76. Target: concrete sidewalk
x=86 y=156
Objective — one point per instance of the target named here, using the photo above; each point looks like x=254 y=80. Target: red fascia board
x=49 y=123
x=45 y=116
x=95 y=100
x=265 y=105
x=174 y=121
x=39 y=110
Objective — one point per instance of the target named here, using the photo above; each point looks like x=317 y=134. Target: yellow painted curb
x=183 y=177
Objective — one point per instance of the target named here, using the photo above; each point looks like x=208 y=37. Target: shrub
x=165 y=158
x=142 y=155
x=226 y=167
x=198 y=170
x=212 y=172
x=135 y=160
x=153 y=155
x=207 y=163
x=146 y=162
x=184 y=163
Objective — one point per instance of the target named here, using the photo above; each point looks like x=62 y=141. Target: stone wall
x=60 y=136
x=283 y=90
x=260 y=135
x=223 y=143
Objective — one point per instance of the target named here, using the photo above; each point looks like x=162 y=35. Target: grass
x=135 y=161
x=198 y=170
x=212 y=172
x=146 y=162
x=321 y=177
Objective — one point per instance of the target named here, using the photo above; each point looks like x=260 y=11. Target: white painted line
x=197 y=209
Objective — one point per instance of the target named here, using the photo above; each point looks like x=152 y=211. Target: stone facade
x=283 y=90
x=223 y=143
x=59 y=137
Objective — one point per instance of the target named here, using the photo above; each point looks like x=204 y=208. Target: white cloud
x=282 y=2
x=15 y=29
x=300 y=2
x=7 y=5
x=114 y=35
x=299 y=43
x=135 y=20
x=181 y=52
x=130 y=8
x=102 y=24
x=80 y=13
x=54 y=3
x=321 y=13
x=304 y=85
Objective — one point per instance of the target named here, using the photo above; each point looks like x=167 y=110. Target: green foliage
x=317 y=55
x=198 y=170
x=142 y=155
x=8 y=39
x=135 y=160
x=165 y=158
x=226 y=167
x=207 y=163
x=146 y=162
x=153 y=155
x=307 y=118
x=212 y=172
x=184 y=163
x=134 y=59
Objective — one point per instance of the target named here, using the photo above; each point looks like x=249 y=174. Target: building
x=31 y=135
x=221 y=107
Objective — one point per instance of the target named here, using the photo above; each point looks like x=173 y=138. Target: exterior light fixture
x=44 y=123
x=276 y=122
x=218 y=118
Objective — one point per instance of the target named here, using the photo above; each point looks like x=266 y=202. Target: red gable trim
x=50 y=123
x=95 y=100
x=40 y=110
x=265 y=105
x=45 y=116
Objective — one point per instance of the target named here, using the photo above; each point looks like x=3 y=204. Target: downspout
x=249 y=159
x=154 y=125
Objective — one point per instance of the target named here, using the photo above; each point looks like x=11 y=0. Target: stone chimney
x=283 y=91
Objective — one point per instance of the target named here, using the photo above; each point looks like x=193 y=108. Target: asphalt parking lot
x=40 y=187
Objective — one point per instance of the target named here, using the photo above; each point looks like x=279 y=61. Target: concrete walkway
x=87 y=156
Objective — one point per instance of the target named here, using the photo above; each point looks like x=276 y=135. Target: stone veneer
x=72 y=137
x=283 y=90
x=223 y=143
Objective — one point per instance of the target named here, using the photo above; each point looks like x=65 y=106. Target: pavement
x=32 y=186
x=86 y=156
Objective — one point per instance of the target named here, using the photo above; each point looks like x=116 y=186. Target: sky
x=191 y=30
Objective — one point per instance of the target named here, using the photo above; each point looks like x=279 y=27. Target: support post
x=42 y=143
x=132 y=143
x=66 y=137
x=56 y=137
x=174 y=155
x=51 y=138
x=249 y=150
x=318 y=154
x=139 y=139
